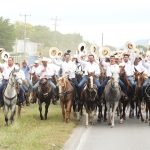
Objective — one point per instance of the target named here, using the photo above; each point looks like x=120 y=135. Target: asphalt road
x=131 y=135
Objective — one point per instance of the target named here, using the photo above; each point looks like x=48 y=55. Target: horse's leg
x=19 y=110
x=100 y=112
x=131 y=113
x=86 y=119
x=46 y=109
x=27 y=95
x=140 y=111
x=121 y=112
x=40 y=109
x=113 y=114
x=63 y=110
x=13 y=110
x=6 y=113
x=105 y=113
x=125 y=103
x=149 y=112
x=109 y=114
x=68 y=110
x=147 y=107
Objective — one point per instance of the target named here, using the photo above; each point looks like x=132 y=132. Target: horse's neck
x=68 y=85
x=10 y=90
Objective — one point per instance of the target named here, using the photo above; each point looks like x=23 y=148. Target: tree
x=7 y=34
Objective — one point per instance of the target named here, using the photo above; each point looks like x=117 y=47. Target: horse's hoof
x=99 y=119
x=6 y=124
x=121 y=121
x=112 y=126
x=109 y=123
x=42 y=118
x=146 y=121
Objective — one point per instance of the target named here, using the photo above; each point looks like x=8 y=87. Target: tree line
x=42 y=35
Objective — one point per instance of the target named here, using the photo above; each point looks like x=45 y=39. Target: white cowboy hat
x=44 y=59
x=5 y=55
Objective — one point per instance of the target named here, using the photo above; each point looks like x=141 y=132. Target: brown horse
x=125 y=102
x=66 y=94
x=89 y=97
x=44 y=94
x=139 y=78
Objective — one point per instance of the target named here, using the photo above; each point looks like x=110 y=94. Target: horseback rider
x=6 y=70
x=90 y=66
x=45 y=71
x=129 y=69
x=68 y=68
x=112 y=68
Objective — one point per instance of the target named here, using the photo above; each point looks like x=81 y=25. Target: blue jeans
x=34 y=87
x=132 y=81
x=84 y=80
x=122 y=85
x=2 y=87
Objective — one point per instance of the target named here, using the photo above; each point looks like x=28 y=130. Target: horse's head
x=139 y=78
x=122 y=72
x=115 y=80
x=62 y=83
x=44 y=86
x=15 y=78
x=90 y=82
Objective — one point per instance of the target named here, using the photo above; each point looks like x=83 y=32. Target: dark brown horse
x=139 y=78
x=66 y=94
x=147 y=99
x=124 y=101
x=44 y=95
x=89 y=97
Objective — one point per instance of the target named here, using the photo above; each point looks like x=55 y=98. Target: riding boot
x=34 y=97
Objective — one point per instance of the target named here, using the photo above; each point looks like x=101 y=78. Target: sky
x=118 y=20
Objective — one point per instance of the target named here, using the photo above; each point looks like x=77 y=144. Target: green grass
x=30 y=133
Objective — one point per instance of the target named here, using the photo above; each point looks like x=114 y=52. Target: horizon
x=119 y=21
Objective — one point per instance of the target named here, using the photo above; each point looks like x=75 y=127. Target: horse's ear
x=141 y=72
x=135 y=69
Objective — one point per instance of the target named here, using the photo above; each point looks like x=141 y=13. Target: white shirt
x=69 y=68
x=36 y=70
x=141 y=68
x=92 y=67
x=146 y=64
x=7 y=70
x=47 y=71
x=129 y=68
x=112 y=69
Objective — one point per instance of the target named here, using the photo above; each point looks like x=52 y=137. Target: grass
x=30 y=133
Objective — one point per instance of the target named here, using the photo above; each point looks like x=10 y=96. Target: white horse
x=10 y=95
x=112 y=95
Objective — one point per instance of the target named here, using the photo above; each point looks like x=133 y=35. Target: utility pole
x=25 y=31
x=102 y=39
x=55 y=22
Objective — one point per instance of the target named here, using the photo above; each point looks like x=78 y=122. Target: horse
x=125 y=102
x=66 y=94
x=139 y=78
x=44 y=94
x=10 y=95
x=89 y=98
x=147 y=99
x=112 y=94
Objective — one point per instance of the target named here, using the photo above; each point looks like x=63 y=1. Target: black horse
x=44 y=94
